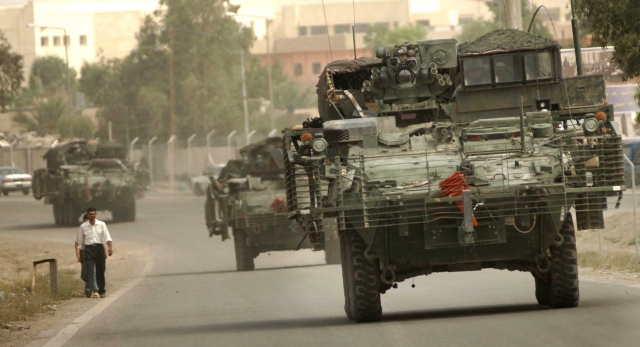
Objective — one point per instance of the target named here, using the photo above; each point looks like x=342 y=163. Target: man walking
x=92 y=235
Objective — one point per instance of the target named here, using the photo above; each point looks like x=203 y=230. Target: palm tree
x=43 y=117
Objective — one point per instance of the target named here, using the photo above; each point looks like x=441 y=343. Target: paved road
x=192 y=296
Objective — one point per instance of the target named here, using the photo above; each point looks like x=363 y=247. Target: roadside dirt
x=16 y=255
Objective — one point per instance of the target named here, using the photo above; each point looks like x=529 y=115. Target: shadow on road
x=324 y=322
x=31 y=227
x=198 y=273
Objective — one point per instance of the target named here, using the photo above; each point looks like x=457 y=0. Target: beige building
x=94 y=28
x=300 y=38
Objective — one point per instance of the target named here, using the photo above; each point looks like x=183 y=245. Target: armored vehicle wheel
x=5 y=192
x=69 y=215
x=543 y=292
x=63 y=215
x=361 y=279
x=332 y=251
x=25 y=191
x=244 y=252
x=561 y=288
x=565 y=289
x=35 y=187
x=131 y=211
x=197 y=189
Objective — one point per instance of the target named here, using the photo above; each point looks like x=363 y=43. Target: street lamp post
x=267 y=21
x=133 y=143
x=244 y=95
x=170 y=154
x=66 y=59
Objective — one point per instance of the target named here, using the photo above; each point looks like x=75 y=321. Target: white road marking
x=64 y=335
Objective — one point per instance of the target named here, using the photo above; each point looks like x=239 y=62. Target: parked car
x=14 y=179
x=199 y=183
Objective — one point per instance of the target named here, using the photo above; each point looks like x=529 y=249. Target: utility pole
x=271 y=106
x=576 y=39
x=513 y=10
x=172 y=114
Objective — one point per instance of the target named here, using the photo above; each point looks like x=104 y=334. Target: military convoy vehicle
x=80 y=174
x=248 y=197
x=438 y=157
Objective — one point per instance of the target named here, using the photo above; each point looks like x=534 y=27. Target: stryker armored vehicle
x=249 y=197
x=435 y=157
x=80 y=174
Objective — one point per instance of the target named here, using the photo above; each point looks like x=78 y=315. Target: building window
x=83 y=40
x=424 y=22
x=361 y=28
x=56 y=40
x=384 y=24
x=302 y=31
x=342 y=29
x=67 y=40
x=44 y=41
x=318 y=30
x=297 y=69
x=317 y=68
x=567 y=17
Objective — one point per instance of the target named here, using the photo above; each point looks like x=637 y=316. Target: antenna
x=353 y=29
x=327 y=26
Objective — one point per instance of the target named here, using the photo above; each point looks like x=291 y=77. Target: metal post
x=231 y=134
x=170 y=155
x=249 y=137
x=131 y=148
x=576 y=39
x=244 y=96
x=150 y=150
x=211 y=133
x=635 y=206
x=189 y=168
x=11 y=152
x=29 y=161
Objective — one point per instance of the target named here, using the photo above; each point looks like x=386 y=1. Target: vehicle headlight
x=319 y=145
x=225 y=189
x=590 y=125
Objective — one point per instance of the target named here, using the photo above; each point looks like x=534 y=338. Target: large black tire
x=5 y=192
x=25 y=191
x=332 y=251
x=70 y=213
x=560 y=288
x=565 y=288
x=132 y=211
x=197 y=189
x=543 y=292
x=361 y=279
x=244 y=252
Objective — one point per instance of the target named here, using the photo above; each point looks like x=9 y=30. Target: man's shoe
x=87 y=293
x=95 y=295
x=103 y=295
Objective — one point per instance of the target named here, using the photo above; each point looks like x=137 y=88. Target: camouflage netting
x=347 y=75
x=505 y=40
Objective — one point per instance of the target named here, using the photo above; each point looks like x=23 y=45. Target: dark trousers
x=94 y=267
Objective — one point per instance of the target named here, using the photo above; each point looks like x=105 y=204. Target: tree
x=615 y=23
x=49 y=76
x=380 y=35
x=43 y=117
x=11 y=75
x=479 y=27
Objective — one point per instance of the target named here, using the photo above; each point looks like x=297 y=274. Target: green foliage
x=380 y=35
x=49 y=76
x=615 y=23
x=477 y=28
x=43 y=117
x=83 y=127
x=134 y=93
x=11 y=76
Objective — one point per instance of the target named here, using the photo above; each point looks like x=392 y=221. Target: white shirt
x=92 y=234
